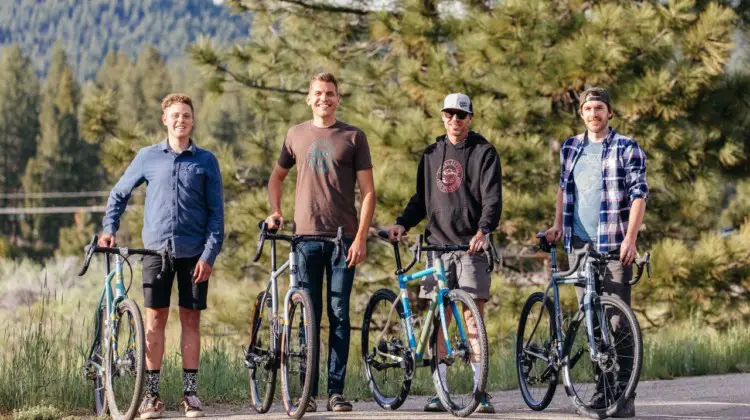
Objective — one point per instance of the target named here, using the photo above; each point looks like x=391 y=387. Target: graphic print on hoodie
x=459 y=190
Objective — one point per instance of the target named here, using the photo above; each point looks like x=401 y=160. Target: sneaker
x=152 y=407
x=337 y=403
x=485 y=406
x=434 y=406
x=192 y=406
x=312 y=406
x=627 y=409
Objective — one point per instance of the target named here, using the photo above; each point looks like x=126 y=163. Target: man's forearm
x=637 y=211
x=559 y=208
x=368 y=211
x=274 y=194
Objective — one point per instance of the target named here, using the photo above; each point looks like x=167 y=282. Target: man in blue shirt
x=184 y=212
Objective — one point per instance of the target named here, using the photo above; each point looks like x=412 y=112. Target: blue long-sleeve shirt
x=184 y=200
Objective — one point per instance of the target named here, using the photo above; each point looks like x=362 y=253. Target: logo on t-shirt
x=453 y=174
x=319 y=156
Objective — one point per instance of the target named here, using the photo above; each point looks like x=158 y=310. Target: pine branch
x=327 y=7
x=242 y=7
x=254 y=84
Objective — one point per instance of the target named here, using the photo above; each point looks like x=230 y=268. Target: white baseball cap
x=458 y=101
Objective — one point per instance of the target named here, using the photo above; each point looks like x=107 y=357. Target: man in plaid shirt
x=602 y=197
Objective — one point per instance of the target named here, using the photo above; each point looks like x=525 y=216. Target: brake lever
x=87 y=258
x=416 y=255
x=490 y=260
x=261 y=240
x=164 y=263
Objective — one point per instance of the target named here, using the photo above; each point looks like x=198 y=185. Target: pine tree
x=63 y=161
x=523 y=62
x=19 y=119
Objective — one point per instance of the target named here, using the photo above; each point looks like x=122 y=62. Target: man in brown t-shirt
x=330 y=156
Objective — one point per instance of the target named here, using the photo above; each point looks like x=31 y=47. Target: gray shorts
x=465 y=271
x=616 y=279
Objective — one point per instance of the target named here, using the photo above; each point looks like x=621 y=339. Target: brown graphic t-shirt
x=327 y=162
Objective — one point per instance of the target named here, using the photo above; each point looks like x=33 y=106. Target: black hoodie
x=459 y=189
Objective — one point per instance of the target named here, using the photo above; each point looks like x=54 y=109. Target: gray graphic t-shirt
x=587 y=175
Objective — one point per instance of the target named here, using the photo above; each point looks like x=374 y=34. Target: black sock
x=190 y=381
x=152 y=382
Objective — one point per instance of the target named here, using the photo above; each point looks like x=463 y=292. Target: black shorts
x=156 y=292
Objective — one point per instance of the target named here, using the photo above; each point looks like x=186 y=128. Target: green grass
x=41 y=367
x=46 y=337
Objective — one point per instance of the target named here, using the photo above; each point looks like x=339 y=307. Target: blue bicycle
x=453 y=325
x=116 y=358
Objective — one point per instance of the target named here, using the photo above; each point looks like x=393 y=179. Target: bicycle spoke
x=535 y=359
x=385 y=352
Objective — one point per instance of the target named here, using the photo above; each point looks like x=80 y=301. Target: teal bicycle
x=116 y=358
x=391 y=352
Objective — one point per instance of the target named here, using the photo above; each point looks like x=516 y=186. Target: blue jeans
x=315 y=259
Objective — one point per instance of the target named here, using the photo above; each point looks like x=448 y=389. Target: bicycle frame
x=418 y=348
x=108 y=301
x=273 y=289
x=589 y=298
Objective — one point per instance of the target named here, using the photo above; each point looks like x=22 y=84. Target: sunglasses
x=461 y=115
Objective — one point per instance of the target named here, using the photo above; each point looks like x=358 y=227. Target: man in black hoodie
x=459 y=190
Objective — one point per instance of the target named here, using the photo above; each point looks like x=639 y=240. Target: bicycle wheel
x=125 y=361
x=95 y=365
x=458 y=386
x=299 y=343
x=535 y=363
x=599 y=388
x=388 y=362
x=260 y=357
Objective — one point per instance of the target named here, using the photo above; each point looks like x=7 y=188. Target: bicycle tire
x=135 y=353
x=374 y=345
x=542 y=343
x=100 y=394
x=460 y=405
x=615 y=394
x=262 y=362
x=308 y=346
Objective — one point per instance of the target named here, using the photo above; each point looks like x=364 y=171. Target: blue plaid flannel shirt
x=623 y=180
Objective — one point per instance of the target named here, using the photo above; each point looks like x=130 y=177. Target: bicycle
x=117 y=371
x=283 y=340
x=614 y=348
x=389 y=344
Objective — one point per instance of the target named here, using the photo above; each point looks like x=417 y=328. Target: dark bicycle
x=599 y=353
x=288 y=340
x=116 y=358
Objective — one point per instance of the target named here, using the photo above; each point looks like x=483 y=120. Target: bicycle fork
x=592 y=308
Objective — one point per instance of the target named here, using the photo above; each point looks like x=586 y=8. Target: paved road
x=706 y=397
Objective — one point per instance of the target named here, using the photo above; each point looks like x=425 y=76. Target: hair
x=177 y=98
x=325 y=77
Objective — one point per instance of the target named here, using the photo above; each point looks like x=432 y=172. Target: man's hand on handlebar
x=628 y=252
x=396 y=233
x=477 y=243
x=106 y=240
x=275 y=221
x=553 y=234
